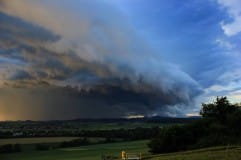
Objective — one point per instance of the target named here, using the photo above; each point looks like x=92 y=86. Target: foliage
x=10 y=148
x=173 y=138
x=220 y=125
x=42 y=147
x=74 y=143
x=219 y=110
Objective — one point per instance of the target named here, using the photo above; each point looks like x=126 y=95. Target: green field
x=94 y=152
x=91 y=152
x=35 y=140
x=215 y=153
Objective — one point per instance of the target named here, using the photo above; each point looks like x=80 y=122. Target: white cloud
x=235 y=96
x=224 y=44
x=234 y=10
x=229 y=85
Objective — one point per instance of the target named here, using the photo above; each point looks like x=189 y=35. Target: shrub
x=17 y=148
x=171 y=139
x=220 y=125
x=9 y=148
x=42 y=147
x=74 y=143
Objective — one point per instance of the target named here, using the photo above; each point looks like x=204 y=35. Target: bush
x=171 y=139
x=220 y=125
x=9 y=148
x=212 y=140
x=219 y=110
x=17 y=148
x=74 y=143
x=6 y=148
x=42 y=147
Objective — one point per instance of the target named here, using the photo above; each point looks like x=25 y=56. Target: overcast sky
x=66 y=59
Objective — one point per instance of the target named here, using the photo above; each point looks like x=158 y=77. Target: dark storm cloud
x=20 y=75
x=67 y=103
x=103 y=71
x=12 y=26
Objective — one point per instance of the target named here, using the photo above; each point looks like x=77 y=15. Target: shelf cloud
x=72 y=59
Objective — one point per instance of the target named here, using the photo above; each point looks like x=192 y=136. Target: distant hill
x=155 y=119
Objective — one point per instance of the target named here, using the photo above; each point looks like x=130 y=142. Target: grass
x=214 y=153
x=91 y=152
x=94 y=152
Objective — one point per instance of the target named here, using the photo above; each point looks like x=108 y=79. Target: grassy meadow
x=214 y=153
x=90 y=152
x=94 y=152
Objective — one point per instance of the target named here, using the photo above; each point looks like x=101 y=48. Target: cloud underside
x=92 y=66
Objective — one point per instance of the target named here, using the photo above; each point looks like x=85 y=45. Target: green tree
x=220 y=125
x=220 y=109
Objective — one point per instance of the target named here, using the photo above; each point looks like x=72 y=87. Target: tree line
x=219 y=125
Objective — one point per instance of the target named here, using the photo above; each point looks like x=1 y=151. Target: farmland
x=77 y=128
x=103 y=137
x=73 y=140
x=94 y=152
x=90 y=152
